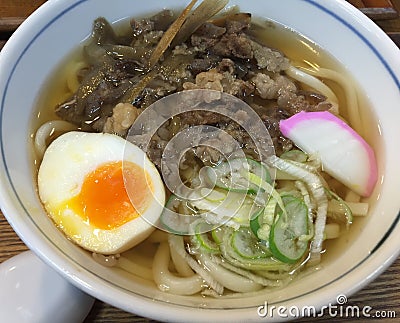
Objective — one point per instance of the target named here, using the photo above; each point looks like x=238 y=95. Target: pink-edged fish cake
x=344 y=154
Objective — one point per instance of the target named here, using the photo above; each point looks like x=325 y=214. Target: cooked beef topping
x=222 y=54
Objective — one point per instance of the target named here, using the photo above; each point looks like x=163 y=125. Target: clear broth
x=296 y=47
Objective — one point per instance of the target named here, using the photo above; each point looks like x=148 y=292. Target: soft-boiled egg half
x=100 y=190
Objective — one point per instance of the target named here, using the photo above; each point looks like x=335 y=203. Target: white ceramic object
x=362 y=48
x=32 y=292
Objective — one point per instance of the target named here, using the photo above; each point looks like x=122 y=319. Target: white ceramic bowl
x=361 y=47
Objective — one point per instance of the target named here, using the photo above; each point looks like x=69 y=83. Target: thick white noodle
x=168 y=282
x=332 y=231
x=158 y=236
x=180 y=263
x=48 y=129
x=227 y=278
x=349 y=89
x=316 y=84
x=134 y=268
x=176 y=242
x=250 y=275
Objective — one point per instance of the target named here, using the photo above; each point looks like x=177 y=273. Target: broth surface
x=296 y=47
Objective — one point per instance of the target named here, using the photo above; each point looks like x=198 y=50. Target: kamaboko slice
x=344 y=154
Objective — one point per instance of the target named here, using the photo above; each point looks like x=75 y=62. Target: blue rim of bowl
x=310 y=2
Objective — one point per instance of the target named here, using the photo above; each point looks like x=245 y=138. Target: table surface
x=382 y=295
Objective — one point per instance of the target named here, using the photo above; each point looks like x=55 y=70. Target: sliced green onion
x=201 y=238
x=227 y=175
x=314 y=183
x=233 y=257
x=173 y=220
x=338 y=204
x=286 y=239
x=246 y=245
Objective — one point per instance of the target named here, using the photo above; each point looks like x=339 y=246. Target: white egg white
x=66 y=163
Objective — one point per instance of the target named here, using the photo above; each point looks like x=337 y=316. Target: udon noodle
x=120 y=74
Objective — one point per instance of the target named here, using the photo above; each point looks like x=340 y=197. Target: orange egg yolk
x=103 y=200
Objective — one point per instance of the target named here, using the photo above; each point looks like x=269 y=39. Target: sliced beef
x=159 y=21
x=206 y=36
x=221 y=55
x=122 y=118
x=101 y=87
x=233 y=45
x=203 y=64
x=268 y=58
x=271 y=117
x=272 y=88
x=238 y=23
